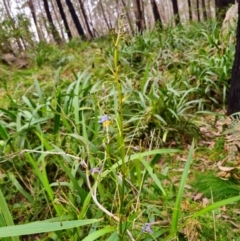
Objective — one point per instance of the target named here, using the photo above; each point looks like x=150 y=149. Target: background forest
x=113 y=121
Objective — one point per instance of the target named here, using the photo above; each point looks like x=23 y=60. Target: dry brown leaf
x=237 y=211
x=192 y=229
x=226 y=169
x=185 y=205
x=236 y=176
x=197 y=196
x=236 y=225
x=223 y=208
x=205 y=202
x=224 y=175
x=186 y=186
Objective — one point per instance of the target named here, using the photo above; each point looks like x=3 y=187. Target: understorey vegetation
x=121 y=138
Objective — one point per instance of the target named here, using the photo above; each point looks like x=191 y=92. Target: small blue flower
x=95 y=170
x=105 y=121
x=147 y=228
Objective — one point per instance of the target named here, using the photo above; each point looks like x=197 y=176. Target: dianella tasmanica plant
x=114 y=145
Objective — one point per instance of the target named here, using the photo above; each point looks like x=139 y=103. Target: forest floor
x=144 y=122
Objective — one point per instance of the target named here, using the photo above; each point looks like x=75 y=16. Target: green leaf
x=57 y=114
x=217 y=205
x=20 y=188
x=176 y=210
x=154 y=177
x=3 y=133
x=42 y=227
x=113 y=237
x=98 y=233
x=138 y=155
x=7 y=217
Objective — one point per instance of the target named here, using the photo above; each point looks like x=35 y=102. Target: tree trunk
x=234 y=93
x=190 y=10
x=64 y=18
x=117 y=9
x=91 y=21
x=53 y=29
x=139 y=14
x=33 y=12
x=155 y=10
x=7 y=8
x=58 y=19
x=24 y=24
x=176 y=11
x=104 y=16
x=198 y=11
x=75 y=19
x=128 y=17
x=85 y=18
x=204 y=7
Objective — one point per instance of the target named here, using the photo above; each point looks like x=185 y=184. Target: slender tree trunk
x=33 y=12
x=90 y=21
x=204 y=10
x=128 y=17
x=64 y=18
x=25 y=26
x=155 y=10
x=104 y=16
x=176 y=11
x=57 y=19
x=42 y=21
x=190 y=10
x=234 y=93
x=139 y=13
x=53 y=29
x=198 y=11
x=85 y=18
x=117 y=8
x=6 y=6
x=75 y=19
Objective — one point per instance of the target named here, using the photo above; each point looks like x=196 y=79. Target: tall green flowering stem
x=120 y=130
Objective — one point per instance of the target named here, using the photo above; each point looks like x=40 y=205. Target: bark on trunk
x=128 y=17
x=53 y=29
x=204 y=9
x=33 y=12
x=105 y=17
x=139 y=13
x=7 y=7
x=64 y=18
x=86 y=19
x=198 y=11
x=176 y=11
x=190 y=10
x=75 y=19
x=155 y=10
x=234 y=93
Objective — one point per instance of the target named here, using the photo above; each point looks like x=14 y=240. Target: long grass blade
x=42 y=227
x=176 y=210
x=97 y=234
x=154 y=176
x=7 y=217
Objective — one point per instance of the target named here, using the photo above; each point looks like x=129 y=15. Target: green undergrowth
x=212 y=186
x=98 y=140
